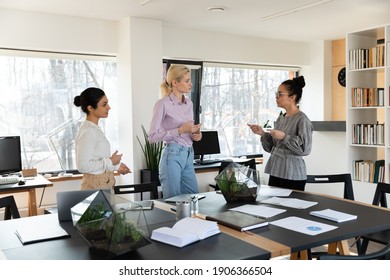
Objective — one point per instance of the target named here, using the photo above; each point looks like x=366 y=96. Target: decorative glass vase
x=110 y=224
x=238 y=183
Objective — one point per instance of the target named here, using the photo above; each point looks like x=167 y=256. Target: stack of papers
x=333 y=215
x=290 y=202
x=258 y=210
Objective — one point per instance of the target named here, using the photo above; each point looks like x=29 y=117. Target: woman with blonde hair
x=173 y=123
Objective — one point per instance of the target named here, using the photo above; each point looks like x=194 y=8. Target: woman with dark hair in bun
x=290 y=140
x=93 y=152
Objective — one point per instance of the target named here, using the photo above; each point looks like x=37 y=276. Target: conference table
x=261 y=243
x=31 y=184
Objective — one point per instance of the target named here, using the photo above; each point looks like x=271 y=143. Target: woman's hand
x=196 y=136
x=116 y=158
x=277 y=134
x=256 y=129
x=123 y=169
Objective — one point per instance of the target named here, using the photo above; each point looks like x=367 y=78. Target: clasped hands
x=116 y=159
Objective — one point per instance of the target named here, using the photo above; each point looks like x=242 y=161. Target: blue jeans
x=176 y=171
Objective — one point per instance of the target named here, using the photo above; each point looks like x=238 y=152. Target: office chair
x=334 y=178
x=10 y=208
x=138 y=188
x=381 y=237
x=345 y=178
x=251 y=163
x=383 y=254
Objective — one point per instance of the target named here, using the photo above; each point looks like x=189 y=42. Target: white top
x=93 y=150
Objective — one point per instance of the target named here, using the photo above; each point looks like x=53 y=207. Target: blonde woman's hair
x=175 y=73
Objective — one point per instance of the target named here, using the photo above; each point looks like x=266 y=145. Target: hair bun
x=76 y=101
x=300 y=81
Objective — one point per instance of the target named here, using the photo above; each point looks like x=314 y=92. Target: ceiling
x=303 y=20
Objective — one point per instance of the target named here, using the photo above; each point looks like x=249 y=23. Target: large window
x=37 y=92
x=233 y=96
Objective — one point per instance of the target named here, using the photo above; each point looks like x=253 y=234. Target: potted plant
x=152 y=153
x=111 y=225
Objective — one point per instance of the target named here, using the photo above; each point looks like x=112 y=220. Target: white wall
x=140 y=44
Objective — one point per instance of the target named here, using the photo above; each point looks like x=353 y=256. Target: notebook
x=68 y=199
x=237 y=220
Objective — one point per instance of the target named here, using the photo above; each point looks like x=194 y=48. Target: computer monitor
x=209 y=145
x=10 y=154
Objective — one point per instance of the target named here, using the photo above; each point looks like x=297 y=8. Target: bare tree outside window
x=232 y=97
x=37 y=104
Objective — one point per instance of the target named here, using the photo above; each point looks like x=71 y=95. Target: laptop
x=68 y=199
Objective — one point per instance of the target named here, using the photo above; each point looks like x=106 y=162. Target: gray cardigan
x=286 y=155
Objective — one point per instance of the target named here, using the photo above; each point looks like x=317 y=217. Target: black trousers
x=287 y=184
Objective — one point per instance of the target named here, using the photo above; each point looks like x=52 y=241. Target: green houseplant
x=152 y=153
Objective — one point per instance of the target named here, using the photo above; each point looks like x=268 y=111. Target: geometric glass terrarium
x=110 y=224
x=238 y=183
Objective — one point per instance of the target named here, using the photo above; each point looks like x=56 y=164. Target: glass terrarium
x=238 y=183
x=110 y=224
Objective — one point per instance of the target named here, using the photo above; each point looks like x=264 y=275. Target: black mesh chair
x=383 y=254
x=10 y=208
x=138 y=189
x=382 y=237
x=251 y=163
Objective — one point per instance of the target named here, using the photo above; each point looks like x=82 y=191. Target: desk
x=370 y=219
x=218 y=247
x=30 y=186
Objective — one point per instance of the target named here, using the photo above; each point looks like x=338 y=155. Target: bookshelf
x=368 y=108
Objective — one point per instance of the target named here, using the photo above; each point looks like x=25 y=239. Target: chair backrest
x=334 y=178
x=383 y=254
x=10 y=208
x=380 y=194
x=138 y=188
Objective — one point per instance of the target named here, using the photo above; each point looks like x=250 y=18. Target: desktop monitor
x=209 y=145
x=10 y=154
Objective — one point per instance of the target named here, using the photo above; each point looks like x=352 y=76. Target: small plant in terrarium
x=110 y=230
x=238 y=183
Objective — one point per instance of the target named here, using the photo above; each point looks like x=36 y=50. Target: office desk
x=218 y=247
x=29 y=187
x=370 y=219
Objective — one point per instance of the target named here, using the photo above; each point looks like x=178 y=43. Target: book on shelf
x=185 y=232
x=238 y=220
x=333 y=215
x=369 y=171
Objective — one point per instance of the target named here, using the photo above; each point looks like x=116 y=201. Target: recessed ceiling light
x=215 y=9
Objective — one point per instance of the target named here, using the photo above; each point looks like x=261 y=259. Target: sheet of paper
x=258 y=210
x=290 y=202
x=266 y=190
x=303 y=225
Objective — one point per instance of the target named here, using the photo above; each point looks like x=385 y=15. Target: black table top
x=218 y=247
x=369 y=219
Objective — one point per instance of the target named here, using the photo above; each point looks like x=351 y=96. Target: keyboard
x=208 y=161
x=9 y=180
